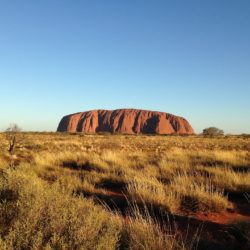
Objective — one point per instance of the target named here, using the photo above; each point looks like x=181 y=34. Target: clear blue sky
x=190 y=58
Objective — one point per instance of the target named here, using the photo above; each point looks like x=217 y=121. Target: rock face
x=127 y=121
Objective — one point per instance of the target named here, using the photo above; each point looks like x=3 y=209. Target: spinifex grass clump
x=35 y=215
x=198 y=193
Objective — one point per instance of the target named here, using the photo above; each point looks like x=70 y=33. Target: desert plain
x=113 y=191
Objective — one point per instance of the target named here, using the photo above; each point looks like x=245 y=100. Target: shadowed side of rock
x=127 y=121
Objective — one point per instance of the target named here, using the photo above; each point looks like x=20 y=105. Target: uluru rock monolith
x=125 y=121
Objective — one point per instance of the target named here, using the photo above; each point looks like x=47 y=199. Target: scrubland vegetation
x=76 y=191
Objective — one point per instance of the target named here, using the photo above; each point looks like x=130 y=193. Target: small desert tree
x=11 y=136
x=213 y=131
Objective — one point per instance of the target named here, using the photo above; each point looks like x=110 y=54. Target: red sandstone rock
x=127 y=121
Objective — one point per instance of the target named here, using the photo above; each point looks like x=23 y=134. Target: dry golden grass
x=75 y=191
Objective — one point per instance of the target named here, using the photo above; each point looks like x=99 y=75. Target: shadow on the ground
x=240 y=202
x=87 y=166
